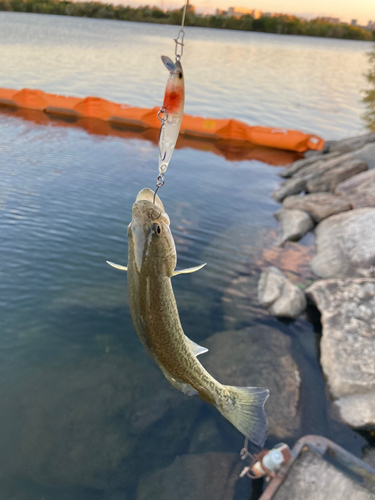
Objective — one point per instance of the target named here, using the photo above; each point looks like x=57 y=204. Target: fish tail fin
x=245 y=411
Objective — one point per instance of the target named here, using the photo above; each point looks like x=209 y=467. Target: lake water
x=84 y=413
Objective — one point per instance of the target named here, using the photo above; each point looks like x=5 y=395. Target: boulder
x=350 y=144
x=348 y=340
x=367 y=154
x=293 y=224
x=196 y=477
x=329 y=180
x=358 y=410
x=259 y=356
x=364 y=199
x=305 y=162
x=318 y=205
x=345 y=245
x=279 y=295
x=356 y=183
x=288 y=187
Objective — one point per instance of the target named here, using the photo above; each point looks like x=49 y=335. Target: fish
x=171 y=112
x=152 y=261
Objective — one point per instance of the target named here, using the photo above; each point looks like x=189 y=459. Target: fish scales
x=151 y=265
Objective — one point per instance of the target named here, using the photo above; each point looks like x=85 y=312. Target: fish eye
x=180 y=75
x=156 y=228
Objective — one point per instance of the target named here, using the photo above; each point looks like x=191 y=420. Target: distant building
x=271 y=14
x=241 y=11
x=371 y=26
x=331 y=20
x=354 y=22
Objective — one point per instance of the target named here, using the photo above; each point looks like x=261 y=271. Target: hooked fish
x=151 y=265
x=171 y=112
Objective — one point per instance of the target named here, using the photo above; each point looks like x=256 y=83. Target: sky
x=362 y=10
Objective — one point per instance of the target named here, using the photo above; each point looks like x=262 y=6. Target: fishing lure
x=171 y=113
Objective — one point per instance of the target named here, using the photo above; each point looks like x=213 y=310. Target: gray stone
x=363 y=199
x=305 y=162
x=350 y=144
x=318 y=205
x=288 y=187
x=358 y=410
x=348 y=340
x=367 y=154
x=279 y=295
x=312 y=477
x=369 y=457
x=293 y=224
x=329 y=180
x=345 y=245
x=259 y=357
x=195 y=477
x=356 y=183
x=322 y=166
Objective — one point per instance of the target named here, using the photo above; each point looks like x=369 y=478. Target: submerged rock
x=345 y=245
x=259 y=356
x=329 y=180
x=358 y=410
x=196 y=477
x=279 y=295
x=348 y=344
x=318 y=205
x=92 y=424
x=293 y=224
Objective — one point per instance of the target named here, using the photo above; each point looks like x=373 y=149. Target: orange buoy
x=194 y=126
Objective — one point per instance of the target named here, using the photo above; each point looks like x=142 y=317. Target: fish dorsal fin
x=169 y=64
x=189 y=270
x=197 y=349
x=116 y=266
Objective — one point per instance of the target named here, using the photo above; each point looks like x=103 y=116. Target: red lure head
x=175 y=89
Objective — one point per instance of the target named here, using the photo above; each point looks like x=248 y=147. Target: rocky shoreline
x=332 y=193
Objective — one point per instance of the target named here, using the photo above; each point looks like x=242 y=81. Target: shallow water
x=84 y=413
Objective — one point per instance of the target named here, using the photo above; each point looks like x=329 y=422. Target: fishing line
x=162 y=114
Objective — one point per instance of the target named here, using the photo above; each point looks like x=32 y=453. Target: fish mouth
x=145 y=207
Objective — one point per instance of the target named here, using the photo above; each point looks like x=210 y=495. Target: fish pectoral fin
x=177 y=384
x=117 y=266
x=197 y=349
x=189 y=270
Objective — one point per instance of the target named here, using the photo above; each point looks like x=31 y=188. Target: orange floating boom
x=122 y=114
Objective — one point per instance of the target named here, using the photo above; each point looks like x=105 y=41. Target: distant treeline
x=369 y=99
x=287 y=25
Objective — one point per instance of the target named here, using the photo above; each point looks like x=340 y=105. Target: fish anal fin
x=177 y=384
x=189 y=270
x=197 y=349
x=116 y=266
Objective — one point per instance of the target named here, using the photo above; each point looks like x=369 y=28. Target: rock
x=318 y=205
x=358 y=410
x=363 y=199
x=345 y=245
x=288 y=187
x=356 y=183
x=206 y=437
x=91 y=424
x=196 y=477
x=279 y=295
x=293 y=224
x=369 y=458
x=259 y=357
x=305 y=162
x=347 y=145
x=329 y=180
x=348 y=340
x=367 y=154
